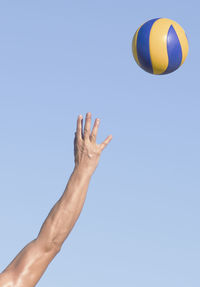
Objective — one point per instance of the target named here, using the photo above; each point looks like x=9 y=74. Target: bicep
x=29 y=265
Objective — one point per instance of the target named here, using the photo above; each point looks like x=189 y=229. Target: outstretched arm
x=29 y=265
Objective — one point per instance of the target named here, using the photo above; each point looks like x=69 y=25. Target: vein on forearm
x=66 y=211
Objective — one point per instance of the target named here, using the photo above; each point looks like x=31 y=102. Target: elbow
x=55 y=246
x=50 y=247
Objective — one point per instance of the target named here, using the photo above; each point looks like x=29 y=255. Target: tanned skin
x=29 y=265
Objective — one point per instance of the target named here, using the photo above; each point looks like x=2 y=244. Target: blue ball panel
x=174 y=51
x=143 y=50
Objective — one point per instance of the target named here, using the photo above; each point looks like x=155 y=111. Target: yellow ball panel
x=134 y=46
x=158 y=45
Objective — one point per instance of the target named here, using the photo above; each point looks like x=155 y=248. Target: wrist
x=82 y=171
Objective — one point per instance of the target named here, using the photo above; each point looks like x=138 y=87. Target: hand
x=86 y=151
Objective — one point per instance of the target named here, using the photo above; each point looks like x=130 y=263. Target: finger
x=105 y=143
x=75 y=141
x=87 y=126
x=79 y=127
x=93 y=135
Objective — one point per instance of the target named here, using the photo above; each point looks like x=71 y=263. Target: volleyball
x=160 y=46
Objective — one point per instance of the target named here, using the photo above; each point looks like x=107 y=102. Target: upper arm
x=28 y=266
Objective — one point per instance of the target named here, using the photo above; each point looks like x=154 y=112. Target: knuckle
x=92 y=137
x=86 y=130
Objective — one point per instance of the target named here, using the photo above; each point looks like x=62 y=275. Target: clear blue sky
x=140 y=224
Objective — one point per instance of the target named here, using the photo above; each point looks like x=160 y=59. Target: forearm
x=66 y=211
